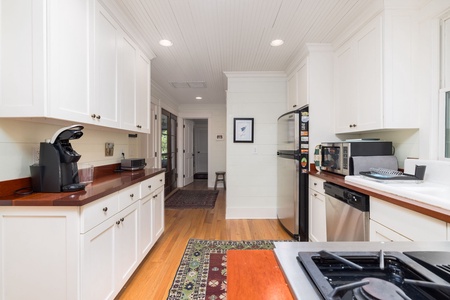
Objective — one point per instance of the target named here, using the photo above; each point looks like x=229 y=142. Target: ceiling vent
x=188 y=84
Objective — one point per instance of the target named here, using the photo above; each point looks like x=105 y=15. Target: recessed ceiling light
x=198 y=98
x=276 y=43
x=165 y=43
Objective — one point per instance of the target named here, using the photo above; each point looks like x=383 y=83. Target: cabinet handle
x=150 y=186
x=105 y=209
x=315 y=183
x=118 y=222
x=98 y=117
x=161 y=179
x=93 y=116
x=131 y=195
x=155 y=196
x=352 y=125
x=295 y=105
x=121 y=219
x=139 y=126
x=315 y=195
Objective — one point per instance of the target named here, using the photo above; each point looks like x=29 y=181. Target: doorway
x=195 y=150
x=169 y=150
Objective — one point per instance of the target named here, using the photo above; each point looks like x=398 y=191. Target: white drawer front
x=152 y=184
x=128 y=196
x=316 y=184
x=98 y=211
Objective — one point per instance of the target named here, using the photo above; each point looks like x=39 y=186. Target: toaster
x=132 y=164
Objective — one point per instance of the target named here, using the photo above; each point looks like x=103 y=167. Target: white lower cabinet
x=79 y=253
x=390 y=222
x=317 y=212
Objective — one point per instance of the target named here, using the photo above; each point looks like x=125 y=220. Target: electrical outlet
x=35 y=155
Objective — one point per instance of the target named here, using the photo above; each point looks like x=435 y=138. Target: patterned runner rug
x=202 y=274
x=192 y=199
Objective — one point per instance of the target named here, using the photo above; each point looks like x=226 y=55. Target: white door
x=201 y=149
x=188 y=152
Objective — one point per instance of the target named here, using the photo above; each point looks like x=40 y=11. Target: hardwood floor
x=154 y=277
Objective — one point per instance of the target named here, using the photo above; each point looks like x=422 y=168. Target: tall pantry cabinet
x=62 y=60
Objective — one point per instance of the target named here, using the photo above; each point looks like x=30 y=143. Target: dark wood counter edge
x=101 y=187
x=423 y=208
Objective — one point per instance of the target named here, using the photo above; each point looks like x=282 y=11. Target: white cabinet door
x=292 y=92
x=98 y=262
x=146 y=239
x=22 y=58
x=302 y=85
x=104 y=107
x=69 y=70
x=346 y=95
x=317 y=217
x=127 y=84
x=158 y=213
x=359 y=100
x=126 y=244
x=39 y=253
x=142 y=93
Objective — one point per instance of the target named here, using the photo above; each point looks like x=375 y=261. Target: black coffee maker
x=57 y=170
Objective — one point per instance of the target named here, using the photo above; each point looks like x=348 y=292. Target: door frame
x=192 y=116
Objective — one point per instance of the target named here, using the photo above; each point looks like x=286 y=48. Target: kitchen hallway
x=154 y=277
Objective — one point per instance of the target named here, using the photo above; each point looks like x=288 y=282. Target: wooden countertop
x=104 y=185
x=417 y=206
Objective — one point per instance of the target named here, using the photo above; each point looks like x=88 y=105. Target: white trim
x=180 y=143
x=441 y=134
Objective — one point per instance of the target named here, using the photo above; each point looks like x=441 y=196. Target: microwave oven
x=336 y=156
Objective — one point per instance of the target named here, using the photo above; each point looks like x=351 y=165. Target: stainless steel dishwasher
x=347 y=214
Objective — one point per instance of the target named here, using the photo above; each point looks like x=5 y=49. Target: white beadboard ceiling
x=213 y=36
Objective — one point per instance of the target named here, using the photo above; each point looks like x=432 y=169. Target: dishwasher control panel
x=355 y=199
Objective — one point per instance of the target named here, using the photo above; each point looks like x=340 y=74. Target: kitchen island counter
x=103 y=185
x=417 y=206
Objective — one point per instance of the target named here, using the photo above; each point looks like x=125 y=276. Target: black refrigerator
x=292 y=172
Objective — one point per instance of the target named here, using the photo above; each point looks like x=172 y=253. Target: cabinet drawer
x=408 y=223
x=316 y=184
x=152 y=184
x=128 y=196
x=98 y=211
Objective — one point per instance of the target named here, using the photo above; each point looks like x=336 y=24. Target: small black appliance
x=57 y=170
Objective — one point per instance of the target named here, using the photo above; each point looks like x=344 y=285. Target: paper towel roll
x=364 y=163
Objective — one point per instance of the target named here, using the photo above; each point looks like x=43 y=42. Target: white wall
x=251 y=167
x=216 y=115
x=18 y=140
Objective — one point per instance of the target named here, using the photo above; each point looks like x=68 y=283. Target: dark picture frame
x=243 y=130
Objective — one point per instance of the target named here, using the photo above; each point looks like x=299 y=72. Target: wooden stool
x=220 y=176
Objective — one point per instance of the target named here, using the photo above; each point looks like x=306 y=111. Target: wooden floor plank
x=154 y=277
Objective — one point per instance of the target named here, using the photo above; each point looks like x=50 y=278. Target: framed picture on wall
x=243 y=130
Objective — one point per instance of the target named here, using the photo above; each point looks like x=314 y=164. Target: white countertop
x=435 y=194
x=299 y=282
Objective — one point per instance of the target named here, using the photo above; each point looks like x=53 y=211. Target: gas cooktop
x=366 y=270
x=378 y=275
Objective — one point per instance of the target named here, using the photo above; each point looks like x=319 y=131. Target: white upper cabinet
x=22 y=60
x=374 y=87
x=134 y=89
x=298 y=87
x=104 y=110
x=69 y=46
x=66 y=64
